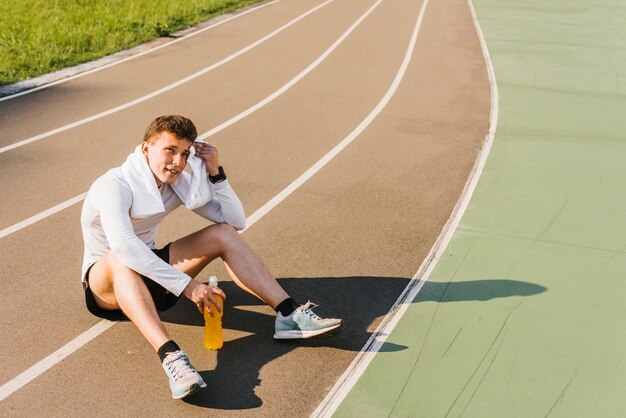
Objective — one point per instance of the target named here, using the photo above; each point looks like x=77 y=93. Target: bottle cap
x=213 y=281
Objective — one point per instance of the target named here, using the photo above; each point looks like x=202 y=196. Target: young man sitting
x=125 y=275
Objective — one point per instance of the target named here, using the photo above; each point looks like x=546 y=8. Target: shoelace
x=307 y=309
x=179 y=366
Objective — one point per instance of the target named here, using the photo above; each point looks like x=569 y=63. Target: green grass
x=40 y=36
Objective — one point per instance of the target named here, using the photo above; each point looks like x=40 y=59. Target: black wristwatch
x=218 y=177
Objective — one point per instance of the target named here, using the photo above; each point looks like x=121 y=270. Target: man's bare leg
x=115 y=286
x=193 y=252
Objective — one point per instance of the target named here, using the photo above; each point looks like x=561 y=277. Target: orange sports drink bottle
x=213 y=336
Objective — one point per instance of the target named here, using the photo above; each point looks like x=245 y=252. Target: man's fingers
x=200 y=307
x=221 y=293
x=204 y=147
x=209 y=310
x=213 y=303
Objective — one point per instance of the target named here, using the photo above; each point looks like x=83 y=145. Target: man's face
x=167 y=156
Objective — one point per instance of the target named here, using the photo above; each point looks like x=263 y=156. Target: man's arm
x=225 y=207
x=113 y=200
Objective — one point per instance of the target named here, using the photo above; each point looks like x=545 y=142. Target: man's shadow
x=359 y=301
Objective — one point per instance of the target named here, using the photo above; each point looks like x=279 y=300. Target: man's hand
x=203 y=296
x=209 y=154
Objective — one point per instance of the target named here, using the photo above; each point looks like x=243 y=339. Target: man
x=125 y=275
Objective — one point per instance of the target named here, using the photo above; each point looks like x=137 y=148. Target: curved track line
x=183 y=38
x=49 y=212
x=294 y=80
x=41 y=367
x=42 y=215
x=164 y=89
x=356 y=368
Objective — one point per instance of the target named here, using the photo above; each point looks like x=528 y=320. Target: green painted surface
x=524 y=315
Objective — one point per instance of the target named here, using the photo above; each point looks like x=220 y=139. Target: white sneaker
x=304 y=323
x=184 y=379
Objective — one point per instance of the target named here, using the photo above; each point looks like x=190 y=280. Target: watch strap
x=219 y=176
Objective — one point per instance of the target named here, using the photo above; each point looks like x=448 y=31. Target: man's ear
x=144 y=147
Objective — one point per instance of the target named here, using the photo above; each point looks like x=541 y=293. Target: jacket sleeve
x=225 y=207
x=113 y=200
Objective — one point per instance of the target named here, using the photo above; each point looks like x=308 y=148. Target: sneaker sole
x=193 y=389
x=302 y=335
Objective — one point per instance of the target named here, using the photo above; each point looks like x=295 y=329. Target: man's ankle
x=169 y=347
x=287 y=306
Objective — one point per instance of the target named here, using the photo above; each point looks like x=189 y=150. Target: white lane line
x=349 y=378
x=183 y=38
x=13 y=385
x=31 y=373
x=234 y=119
x=42 y=215
x=41 y=367
x=164 y=89
x=294 y=80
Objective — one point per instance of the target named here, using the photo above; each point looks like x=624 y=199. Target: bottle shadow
x=361 y=301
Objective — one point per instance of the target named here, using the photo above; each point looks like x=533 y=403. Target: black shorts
x=163 y=298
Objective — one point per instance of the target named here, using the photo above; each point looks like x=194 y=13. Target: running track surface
x=277 y=90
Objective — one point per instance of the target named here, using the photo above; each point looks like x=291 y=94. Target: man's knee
x=112 y=263
x=101 y=281
x=223 y=233
x=109 y=268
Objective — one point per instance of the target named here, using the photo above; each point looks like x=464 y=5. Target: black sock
x=168 y=347
x=287 y=306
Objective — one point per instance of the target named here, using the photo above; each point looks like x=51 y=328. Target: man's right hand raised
x=203 y=296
